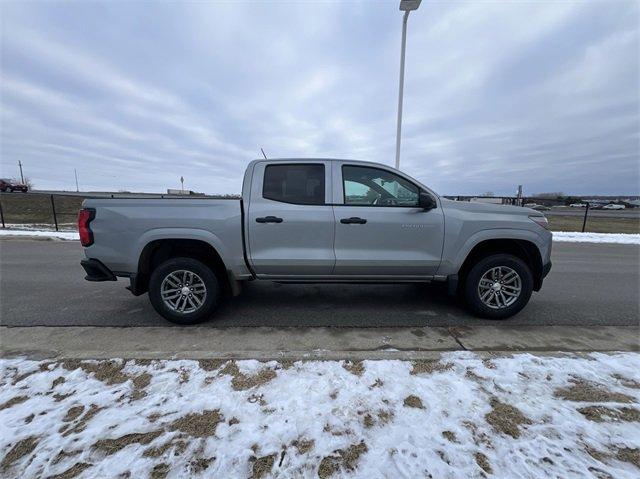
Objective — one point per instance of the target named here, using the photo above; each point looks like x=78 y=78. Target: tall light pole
x=406 y=6
x=21 y=175
x=75 y=172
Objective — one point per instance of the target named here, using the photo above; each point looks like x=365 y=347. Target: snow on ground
x=64 y=235
x=519 y=416
x=620 y=238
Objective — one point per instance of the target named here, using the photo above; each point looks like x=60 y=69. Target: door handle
x=354 y=220
x=269 y=219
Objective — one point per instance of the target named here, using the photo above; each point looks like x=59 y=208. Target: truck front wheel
x=184 y=291
x=498 y=286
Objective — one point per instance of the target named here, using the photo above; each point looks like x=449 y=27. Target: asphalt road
x=41 y=284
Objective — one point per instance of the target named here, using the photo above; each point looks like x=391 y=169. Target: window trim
x=344 y=192
x=324 y=181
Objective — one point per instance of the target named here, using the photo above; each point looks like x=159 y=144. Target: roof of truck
x=309 y=160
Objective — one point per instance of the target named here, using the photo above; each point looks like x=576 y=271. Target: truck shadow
x=339 y=305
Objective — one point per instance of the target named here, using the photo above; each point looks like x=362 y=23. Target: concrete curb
x=309 y=343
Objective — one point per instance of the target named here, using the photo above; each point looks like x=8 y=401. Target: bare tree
x=488 y=193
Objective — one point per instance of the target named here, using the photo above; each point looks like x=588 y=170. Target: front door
x=380 y=231
x=290 y=227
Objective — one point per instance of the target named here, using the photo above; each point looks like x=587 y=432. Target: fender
x=450 y=266
x=183 y=233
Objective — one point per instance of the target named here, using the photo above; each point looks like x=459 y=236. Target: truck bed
x=123 y=226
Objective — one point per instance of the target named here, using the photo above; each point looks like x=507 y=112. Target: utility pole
x=75 y=172
x=406 y=6
x=21 y=175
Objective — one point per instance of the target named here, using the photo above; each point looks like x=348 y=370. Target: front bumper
x=96 y=271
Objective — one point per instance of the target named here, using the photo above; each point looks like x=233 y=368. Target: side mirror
x=426 y=201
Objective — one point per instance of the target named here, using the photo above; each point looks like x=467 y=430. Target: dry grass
x=75 y=470
x=354 y=367
x=429 y=366
x=82 y=422
x=198 y=424
x=303 y=445
x=450 y=436
x=211 y=364
x=595 y=224
x=18 y=451
x=626 y=382
x=413 y=401
x=64 y=454
x=587 y=391
x=368 y=421
x=378 y=383
x=20 y=208
x=629 y=455
x=56 y=382
x=160 y=471
x=201 y=464
x=140 y=383
x=483 y=462
x=262 y=466
x=385 y=417
x=157 y=451
x=341 y=458
x=602 y=414
x=73 y=413
x=109 y=372
x=242 y=382
x=13 y=401
x=111 y=446
x=506 y=418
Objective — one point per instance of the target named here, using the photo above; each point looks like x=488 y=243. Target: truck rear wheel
x=184 y=291
x=498 y=286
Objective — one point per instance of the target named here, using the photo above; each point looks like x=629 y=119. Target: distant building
x=171 y=191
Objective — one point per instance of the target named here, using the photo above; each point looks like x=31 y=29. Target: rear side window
x=301 y=184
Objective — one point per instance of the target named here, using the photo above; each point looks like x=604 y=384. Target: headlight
x=541 y=220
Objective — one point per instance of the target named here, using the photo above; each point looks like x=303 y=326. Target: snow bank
x=575 y=237
x=522 y=416
x=64 y=235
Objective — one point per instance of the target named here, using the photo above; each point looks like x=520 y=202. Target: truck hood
x=488 y=208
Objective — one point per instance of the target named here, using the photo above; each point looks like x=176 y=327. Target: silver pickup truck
x=313 y=221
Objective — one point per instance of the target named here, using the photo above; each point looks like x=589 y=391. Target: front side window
x=376 y=187
x=301 y=184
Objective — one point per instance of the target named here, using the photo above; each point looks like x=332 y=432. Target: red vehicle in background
x=7 y=184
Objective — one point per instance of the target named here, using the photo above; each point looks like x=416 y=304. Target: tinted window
x=376 y=187
x=300 y=184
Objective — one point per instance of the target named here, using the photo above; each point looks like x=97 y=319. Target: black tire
x=472 y=295
x=208 y=278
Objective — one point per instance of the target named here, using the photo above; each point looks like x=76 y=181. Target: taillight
x=85 y=215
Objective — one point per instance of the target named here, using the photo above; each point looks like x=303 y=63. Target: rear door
x=290 y=225
x=380 y=230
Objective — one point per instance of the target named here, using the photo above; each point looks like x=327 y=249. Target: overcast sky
x=497 y=93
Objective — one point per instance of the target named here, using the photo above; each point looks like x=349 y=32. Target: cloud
x=135 y=96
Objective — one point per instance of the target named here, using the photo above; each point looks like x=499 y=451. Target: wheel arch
x=524 y=249
x=157 y=251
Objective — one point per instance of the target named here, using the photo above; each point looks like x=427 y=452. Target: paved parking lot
x=42 y=285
